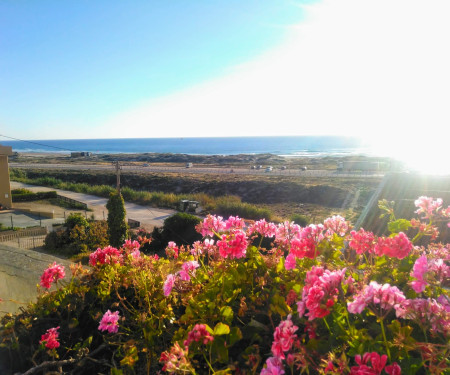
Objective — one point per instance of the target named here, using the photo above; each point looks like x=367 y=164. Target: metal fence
x=27 y=242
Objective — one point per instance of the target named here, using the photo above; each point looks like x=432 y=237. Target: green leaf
x=221 y=329
x=400 y=225
x=280 y=265
x=227 y=313
x=116 y=371
x=235 y=335
x=219 y=350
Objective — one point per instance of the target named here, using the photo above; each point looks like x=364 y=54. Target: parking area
x=21 y=219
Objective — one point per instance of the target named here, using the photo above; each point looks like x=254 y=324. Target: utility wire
x=36 y=143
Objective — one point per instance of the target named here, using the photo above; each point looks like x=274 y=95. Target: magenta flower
x=50 y=338
x=303 y=245
x=284 y=337
x=130 y=246
x=198 y=334
x=188 y=269
x=396 y=247
x=172 y=250
x=168 y=284
x=427 y=206
x=233 y=245
x=52 y=274
x=361 y=241
x=419 y=270
x=274 y=366
x=378 y=362
x=109 y=322
x=107 y=255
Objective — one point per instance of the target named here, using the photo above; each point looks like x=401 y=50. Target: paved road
x=205 y=170
x=148 y=216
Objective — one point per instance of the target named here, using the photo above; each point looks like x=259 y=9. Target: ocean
x=295 y=146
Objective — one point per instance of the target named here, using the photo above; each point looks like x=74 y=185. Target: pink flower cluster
x=109 y=322
x=396 y=247
x=234 y=222
x=425 y=270
x=303 y=245
x=385 y=296
x=132 y=248
x=107 y=255
x=207 y=246
x=233 y=245
x=264 y=228
x=427 y=311
x=50 y=338
x=172 y=250
x=274 y=366
x=168 y=284
x=320 y=292
x=377 y=363
x=52 y=274
x=283 y=338
x=361 y=241
x=427 y=206
x=197 y=334
x=286 y=232
x=211 y=225
x=187 y=269
x=176 y=360
x=336 y=224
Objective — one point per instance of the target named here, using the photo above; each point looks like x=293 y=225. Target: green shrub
x=299 y=219
x=21 y=191
x=232 y=206
x=179 y=228
x=117 y=227
x=28 y=197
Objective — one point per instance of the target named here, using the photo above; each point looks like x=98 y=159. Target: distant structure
x=362 y=166
x=81 y=154
x=5 y=186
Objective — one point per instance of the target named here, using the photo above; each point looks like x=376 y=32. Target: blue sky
x=124 y=69
x=77 y=62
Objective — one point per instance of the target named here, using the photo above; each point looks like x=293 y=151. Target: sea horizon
x=288 y=146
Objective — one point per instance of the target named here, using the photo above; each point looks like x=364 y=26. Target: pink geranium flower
x=107 y=255
x=198 y=334
x=396 y=247
x=274 y=366
x=264 y=228
x=52 y=274
x=50 y=338
x=168 y=284
x=109 y=322
x=361 y=241
x=284 y=337
x=233 y=245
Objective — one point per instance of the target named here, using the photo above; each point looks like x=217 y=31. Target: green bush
x=299 y=219
x=179 y=228
x=117 y=227
x=232 y=206
x=28 y=197
x=21 y=191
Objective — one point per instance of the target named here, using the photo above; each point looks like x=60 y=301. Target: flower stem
x=385 y=340
x=209 y=364
x=326 y=323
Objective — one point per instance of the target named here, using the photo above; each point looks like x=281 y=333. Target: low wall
x=20 y=272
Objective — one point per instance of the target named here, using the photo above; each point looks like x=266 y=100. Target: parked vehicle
x=269 y=169
x=189 y=165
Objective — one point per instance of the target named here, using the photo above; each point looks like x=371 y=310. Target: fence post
x=33 y=242
x=12 y=223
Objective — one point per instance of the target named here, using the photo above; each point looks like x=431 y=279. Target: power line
x=36 y=143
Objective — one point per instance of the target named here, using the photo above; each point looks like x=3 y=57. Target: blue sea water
x=304 y=146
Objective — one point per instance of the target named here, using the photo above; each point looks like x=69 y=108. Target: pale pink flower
x=168 y=284
x=187 y=269
x=211 y=225
x=419 y=269
x=427 y=206
x=396 y=247
x=336 y=224
x=197 y=334
x=52 y=274
x=234 y=222
x=386 y=296
x=264 y=228
x=233 y=245
x=50 y=338
x=109 y=322
x=361 y=241
x=274 y=366
x=284 y=337
x=176 y=360
x=285 y=232
x=107 y=255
